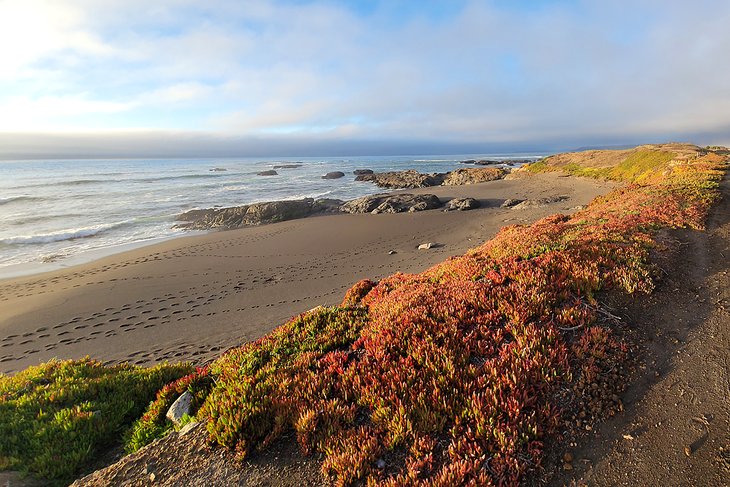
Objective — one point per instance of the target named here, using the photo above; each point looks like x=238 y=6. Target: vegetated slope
x=451 y=376
x=56 y=416
x=459 y=374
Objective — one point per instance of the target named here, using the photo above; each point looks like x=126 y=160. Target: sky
x=295 y=77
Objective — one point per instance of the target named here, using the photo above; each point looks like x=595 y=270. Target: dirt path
x=676 y=427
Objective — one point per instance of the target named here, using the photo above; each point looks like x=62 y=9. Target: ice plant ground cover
x=56 y=416
x=449 y=377
x=446 y=377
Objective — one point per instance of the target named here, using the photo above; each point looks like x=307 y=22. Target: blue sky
x=315 y=75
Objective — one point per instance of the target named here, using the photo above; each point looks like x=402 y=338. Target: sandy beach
x=193 y=297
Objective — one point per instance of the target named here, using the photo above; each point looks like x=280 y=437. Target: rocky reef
x=392 y=203
x=255 y=214
x=413 y=179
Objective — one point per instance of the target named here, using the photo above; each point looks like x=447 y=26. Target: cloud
x=478 y=72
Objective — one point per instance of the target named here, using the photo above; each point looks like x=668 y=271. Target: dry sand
x=193 y=297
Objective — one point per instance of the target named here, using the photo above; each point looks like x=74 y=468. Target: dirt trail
x=676 y=427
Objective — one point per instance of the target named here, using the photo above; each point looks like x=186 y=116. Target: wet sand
x=193 y=297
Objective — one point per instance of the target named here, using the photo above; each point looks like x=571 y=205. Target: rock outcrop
x=538 y=202
x=492 y=162
x=403 y=179
x=473 y=176
x=392 y=203
x=360 y=172
x=462 y=204
x=414 y=179
x=255 y=214
x=510 y=202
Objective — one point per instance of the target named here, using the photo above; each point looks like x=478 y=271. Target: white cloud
x=485 y=73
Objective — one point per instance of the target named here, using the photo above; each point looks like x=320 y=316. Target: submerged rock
x=462 y=204
x=289 y=166
x=392 y=203
x=269 y=172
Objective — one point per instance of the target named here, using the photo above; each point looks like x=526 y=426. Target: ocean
x=54 y=211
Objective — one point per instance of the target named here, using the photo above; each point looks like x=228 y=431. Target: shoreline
x=191 y=297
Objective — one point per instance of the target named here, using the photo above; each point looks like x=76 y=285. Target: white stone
x=426 y=246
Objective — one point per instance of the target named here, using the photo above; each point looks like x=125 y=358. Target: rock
x=218 y=169
x=333 y=175
x=327 y=205
x=360 y=172
x=567 y=467
x=380 y=464
x=473 y=176
x=392 y=203
x=567 y=457
x=254 y=214
x=289 y=166
x=403 y=179
x=509 y=203
x=427 y=246
x=468 y=161
x=536 y=203
x=270 y=172
x=462 y=204
x=180 y=407
x=392 y=252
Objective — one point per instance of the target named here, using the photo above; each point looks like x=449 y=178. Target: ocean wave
x=63 y=235
x=19 y=199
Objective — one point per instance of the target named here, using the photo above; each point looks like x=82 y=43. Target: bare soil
x=675 y=430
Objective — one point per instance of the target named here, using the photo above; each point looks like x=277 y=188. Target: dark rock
x=473 y=176
x=392 y=203
x=218 y=169
x=269 y=172
x=403 y=179
x=462 y=204
x=468 y=161
x=536 y=203
x=289 y=166
x=509 y=203
x=254 y=214
x=359 y=172
x=333 y=175
x=327 y=205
